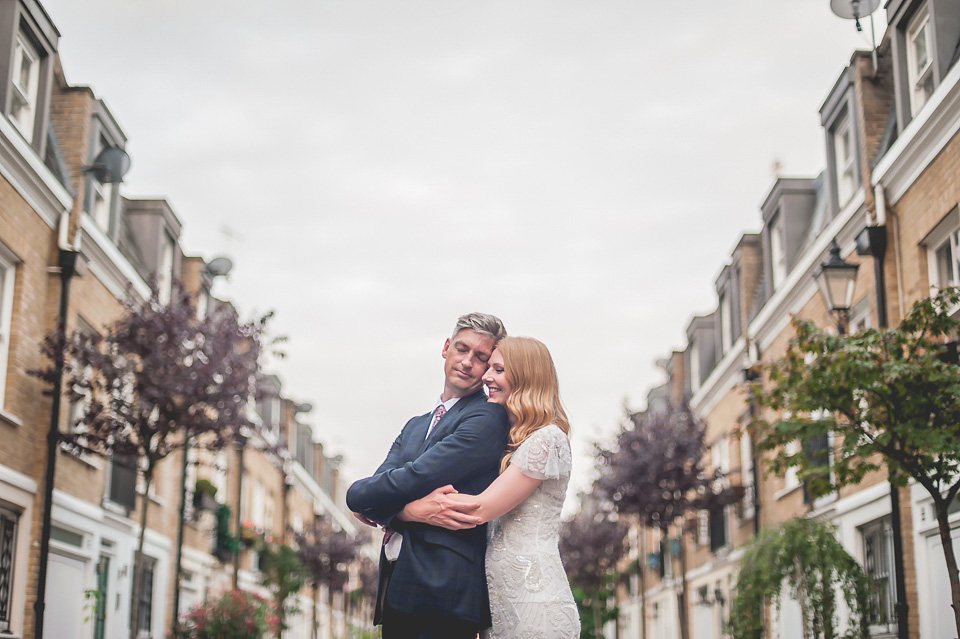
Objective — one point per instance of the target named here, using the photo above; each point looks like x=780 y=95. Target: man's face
x=465 y=361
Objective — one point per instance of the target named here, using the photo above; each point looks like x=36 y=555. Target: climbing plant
x=804 y=557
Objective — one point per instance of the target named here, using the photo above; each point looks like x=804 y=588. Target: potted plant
x=205 y=495
x=227 y=543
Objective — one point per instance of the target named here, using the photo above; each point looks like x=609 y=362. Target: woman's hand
x=445 y=508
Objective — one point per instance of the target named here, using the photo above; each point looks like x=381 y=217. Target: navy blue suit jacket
x=439 y=572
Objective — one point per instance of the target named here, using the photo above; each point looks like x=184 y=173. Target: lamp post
x=110 y=165
x=837 y=279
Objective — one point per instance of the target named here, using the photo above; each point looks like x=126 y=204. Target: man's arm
x=478 y=442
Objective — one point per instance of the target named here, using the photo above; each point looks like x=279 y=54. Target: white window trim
x=8 y=271
x=694 y=366
x=844 y=166
x=26 y=94
x=918 y=77
x=726 y=322
x=778 y=258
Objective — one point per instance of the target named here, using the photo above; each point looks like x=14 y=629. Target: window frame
x=9 y=529
x=144 y=601
x=882 y=528
x=8 y=277
x=165 y=268
x=28 y=97
x=845 y=169
x=946 y=234
x=778 y=254
x=917 y=78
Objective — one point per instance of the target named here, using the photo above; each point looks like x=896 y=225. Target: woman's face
x=496 y=379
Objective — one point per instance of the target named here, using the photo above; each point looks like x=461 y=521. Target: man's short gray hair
x=481 y=323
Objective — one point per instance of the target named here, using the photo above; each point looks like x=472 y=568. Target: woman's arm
x=506 y=493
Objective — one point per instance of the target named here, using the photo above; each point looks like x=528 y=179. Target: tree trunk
x=802 y=590
x=138 y=557
x=682 y=593
x=597 y=617
x=946 y=539
x=313 y=625
x=643 y=590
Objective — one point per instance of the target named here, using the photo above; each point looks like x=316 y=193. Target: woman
x=529 y=592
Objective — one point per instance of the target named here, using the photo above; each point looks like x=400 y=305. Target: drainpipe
x=67 y=265
x=873 y=241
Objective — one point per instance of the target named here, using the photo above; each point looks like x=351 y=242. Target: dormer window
x=778 y=258
x=726 y=323
x=101 y=202
x=165 y=271
x=26 y=83
x=844 y=155
x=694 y=366
x=920 y=59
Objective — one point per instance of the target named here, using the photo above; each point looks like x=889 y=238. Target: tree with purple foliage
x=591 y=547
x=159 y=377
x=326 y=553
x=657 y=472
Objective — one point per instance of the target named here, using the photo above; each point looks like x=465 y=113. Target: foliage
x=369 y=577
x=887 y=395
x=656 y=470
x=236 y=614
x=591 y=547
x=805 y=556
x=227 y=543
x=159 y=375
x=282 y=571
x=158 y=378
x=326 y=553
x=206 y=487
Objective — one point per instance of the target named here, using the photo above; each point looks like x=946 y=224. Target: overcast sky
x=375 y=168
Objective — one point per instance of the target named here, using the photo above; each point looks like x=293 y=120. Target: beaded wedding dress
x=530 y=596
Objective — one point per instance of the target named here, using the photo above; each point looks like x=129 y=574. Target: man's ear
x=446 y=345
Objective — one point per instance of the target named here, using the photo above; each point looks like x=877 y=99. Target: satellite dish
x=219 y=266
x=110 y=165
x=305 y=407
x=854 y=9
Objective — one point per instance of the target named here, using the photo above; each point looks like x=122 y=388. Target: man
x=432 y=580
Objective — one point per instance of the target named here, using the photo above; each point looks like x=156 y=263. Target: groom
x=432 y=580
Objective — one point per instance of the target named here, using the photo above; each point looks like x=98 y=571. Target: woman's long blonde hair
x=534 y=390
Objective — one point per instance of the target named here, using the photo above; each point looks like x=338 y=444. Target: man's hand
x=437 y=509
x=366 y=520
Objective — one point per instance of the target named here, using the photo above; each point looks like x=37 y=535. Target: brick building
x=54 y=202
x=891 y=137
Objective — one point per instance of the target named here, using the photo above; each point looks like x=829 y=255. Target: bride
x=529 y=592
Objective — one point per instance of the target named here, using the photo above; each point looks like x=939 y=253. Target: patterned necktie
x=437 y=414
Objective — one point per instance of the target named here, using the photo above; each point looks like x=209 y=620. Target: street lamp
x=837 y=280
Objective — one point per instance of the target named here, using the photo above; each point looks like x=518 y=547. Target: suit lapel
x=448 y=420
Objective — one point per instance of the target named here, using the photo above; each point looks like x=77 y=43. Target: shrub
x=234 y=615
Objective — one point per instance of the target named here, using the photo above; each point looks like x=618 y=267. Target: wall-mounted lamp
x=837 y=279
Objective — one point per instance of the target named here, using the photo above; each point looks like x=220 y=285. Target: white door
x=64 y=615
x=942 y=624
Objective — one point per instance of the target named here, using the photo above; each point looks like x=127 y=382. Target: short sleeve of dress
x=544 y=455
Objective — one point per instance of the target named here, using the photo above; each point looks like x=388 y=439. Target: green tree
x=889 y=396
x=326 y=553
x=805 y=556
x=282 y=571
x=656 y=471
x=591 y=548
